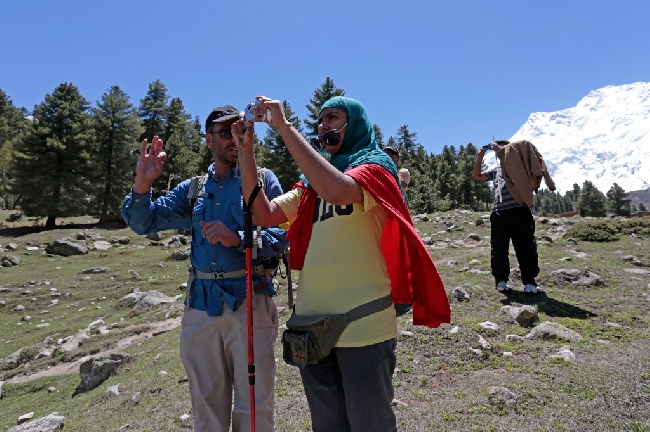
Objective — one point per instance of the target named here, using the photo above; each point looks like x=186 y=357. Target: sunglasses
x=224 y=133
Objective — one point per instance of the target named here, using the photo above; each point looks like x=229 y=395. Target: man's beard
x=225 y=158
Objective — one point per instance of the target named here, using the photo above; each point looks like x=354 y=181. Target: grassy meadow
x=442 y=383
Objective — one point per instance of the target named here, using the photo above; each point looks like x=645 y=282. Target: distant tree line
x=69 y=158
x=587 y=200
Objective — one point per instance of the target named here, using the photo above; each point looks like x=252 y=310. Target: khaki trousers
x=214 y=351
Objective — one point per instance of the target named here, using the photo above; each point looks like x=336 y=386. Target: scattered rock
x=551 y=330
x=50 y=423
x=124 y=240
x=96 y=270
x=95 y=371
x=489 y=326
x=501 y=395
x=578 y=277
x=524 y=315
x=145 y=300
x=13 y=359
x=9 y=260
x=460 y=294
x=101 y=245
x=181 y=254
x=484 y=344
x=565 y=353
x=638 y=271
x=66 y=248
x=23 y=418
x=154 y=236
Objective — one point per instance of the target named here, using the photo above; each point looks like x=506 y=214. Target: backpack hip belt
x=198 y=274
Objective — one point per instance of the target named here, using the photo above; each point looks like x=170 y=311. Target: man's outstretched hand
x=150 y=165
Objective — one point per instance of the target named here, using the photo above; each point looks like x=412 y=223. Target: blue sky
x=454 y=71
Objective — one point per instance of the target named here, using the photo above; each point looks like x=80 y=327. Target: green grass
x=441 y=385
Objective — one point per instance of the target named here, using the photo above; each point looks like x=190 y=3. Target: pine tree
x=13 y=124
x=51 y=162
x=327 y=91
x=421 y=191
x=642 y=207
x=446 y=180
x=116 y=151
x=182 y=138
x=379 y=137
x=591 y=201
x=153 y=111
x=406 y=139
x=617 y=202
x=277 y=157
x=471 y=194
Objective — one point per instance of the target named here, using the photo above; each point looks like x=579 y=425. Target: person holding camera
x=213 y=341
x=353 y=241
x=510 y=220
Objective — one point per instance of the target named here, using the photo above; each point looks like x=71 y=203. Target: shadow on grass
x=546 y=304
x=24 y=230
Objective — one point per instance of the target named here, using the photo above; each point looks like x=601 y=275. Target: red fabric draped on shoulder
x=414 y=277
x=299 y=232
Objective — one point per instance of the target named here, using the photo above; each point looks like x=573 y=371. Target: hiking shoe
x=530 y=288
x=502 y=286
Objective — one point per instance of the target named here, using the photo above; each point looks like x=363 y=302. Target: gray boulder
x=578 y=277
x=66 y=248
x=181 y=254
x=50 y=423
x=96 y=270
x=551 y=330
x=145 y=300
x=501 y=395
x=95 y=371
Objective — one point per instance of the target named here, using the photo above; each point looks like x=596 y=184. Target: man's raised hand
x=150 y=165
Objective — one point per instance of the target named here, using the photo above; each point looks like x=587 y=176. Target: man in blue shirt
x=213 y=342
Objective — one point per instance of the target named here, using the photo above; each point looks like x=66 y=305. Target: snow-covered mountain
x=605 y=139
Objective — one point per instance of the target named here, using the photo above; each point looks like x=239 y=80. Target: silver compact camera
x=249 y=113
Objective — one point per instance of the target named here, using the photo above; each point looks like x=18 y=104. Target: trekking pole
x=248 y=246
x=286 y=257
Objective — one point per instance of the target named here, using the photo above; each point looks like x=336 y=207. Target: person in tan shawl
x=518 y=174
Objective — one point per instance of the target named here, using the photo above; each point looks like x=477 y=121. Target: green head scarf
x=359 y=144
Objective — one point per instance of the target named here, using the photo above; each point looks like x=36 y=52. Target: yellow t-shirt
x=344 y=266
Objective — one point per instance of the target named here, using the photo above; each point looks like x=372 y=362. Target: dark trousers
x=352 y=389
x=516 y=224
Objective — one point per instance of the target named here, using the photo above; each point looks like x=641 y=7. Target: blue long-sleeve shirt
x=219 y=200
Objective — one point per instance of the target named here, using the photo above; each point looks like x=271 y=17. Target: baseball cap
x=221 y=114
x=391 y=149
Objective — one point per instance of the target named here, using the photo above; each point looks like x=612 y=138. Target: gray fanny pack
x=309 y=338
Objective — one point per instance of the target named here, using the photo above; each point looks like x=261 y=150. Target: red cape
x=414 y=277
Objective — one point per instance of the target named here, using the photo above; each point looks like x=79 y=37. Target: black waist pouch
x=309 y=338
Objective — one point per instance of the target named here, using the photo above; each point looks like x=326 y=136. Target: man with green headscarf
x=353 y=241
